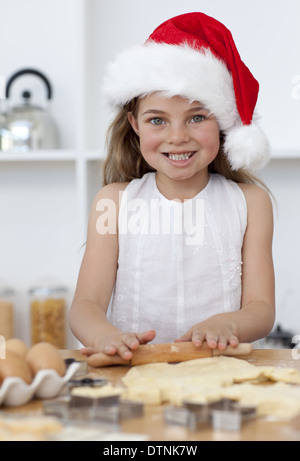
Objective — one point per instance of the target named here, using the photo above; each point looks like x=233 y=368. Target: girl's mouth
x=181 y=156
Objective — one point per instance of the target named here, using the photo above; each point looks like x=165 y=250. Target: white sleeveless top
x=179 y=263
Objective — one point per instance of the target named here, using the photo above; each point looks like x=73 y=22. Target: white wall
x=47 y=35
x=283 y=178
x=40 y=231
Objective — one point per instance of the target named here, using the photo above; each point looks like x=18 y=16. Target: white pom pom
x=247 y=147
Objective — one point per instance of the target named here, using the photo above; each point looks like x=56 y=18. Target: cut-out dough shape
x=271 y=389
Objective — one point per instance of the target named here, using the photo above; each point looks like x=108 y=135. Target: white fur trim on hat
x=173 y=70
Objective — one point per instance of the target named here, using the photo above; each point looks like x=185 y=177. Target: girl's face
x=178 y=139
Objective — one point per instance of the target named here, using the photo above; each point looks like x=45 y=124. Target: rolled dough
x=209 y=379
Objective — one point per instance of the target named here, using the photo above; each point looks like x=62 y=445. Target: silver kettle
x=27 y=127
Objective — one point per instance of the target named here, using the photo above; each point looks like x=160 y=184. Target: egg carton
x=46 y=384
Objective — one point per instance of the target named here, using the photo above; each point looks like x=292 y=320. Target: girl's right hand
x=120 y=343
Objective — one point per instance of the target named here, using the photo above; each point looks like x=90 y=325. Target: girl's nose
x=178 y=134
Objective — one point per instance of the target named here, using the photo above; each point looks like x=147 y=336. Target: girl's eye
x=198 y=118
x=157 y=121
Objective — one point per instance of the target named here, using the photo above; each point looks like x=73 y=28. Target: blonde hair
x=125 y=162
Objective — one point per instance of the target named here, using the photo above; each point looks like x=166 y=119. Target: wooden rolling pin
x=170 y=353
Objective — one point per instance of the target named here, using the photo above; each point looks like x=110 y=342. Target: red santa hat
x=194 y=56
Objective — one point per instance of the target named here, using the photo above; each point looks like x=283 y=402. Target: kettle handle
x=29 y=71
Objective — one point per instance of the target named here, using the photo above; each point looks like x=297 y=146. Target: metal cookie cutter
x=177 y=415
x=189 y=416
x=82 y=416
x=58 y=407
x=101 y=401
x=83 y=368
x=89 y=382
x=228 y=415
x=108 y=410
x=117 y=413
x=223 y=414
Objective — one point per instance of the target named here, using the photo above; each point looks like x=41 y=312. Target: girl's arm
x=96 y=280
x=256 y=317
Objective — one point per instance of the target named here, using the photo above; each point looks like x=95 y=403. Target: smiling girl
x=182 y=150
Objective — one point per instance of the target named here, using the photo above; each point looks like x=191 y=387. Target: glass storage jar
x=7 y=312
x=48 y=315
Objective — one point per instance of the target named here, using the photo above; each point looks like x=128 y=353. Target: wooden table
x=152 y=423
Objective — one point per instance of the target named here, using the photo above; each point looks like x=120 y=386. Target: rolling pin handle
x=240 y=349
x=100 y=359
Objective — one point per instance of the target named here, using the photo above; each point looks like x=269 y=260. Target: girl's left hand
x=217 y=331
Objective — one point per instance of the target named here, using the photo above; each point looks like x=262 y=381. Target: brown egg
x=18 y=346
x=45 y=356
x=14 y=366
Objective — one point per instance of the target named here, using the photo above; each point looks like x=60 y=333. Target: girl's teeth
x=180 y=156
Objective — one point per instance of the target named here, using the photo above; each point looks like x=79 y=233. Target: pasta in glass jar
x=7 y=312
x=48 y=315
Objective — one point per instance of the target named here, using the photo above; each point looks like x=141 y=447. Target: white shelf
x=38 y=156
x=59 y=155
x=285 y=154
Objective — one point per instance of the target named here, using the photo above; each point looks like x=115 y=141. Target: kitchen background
x=45 y=195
